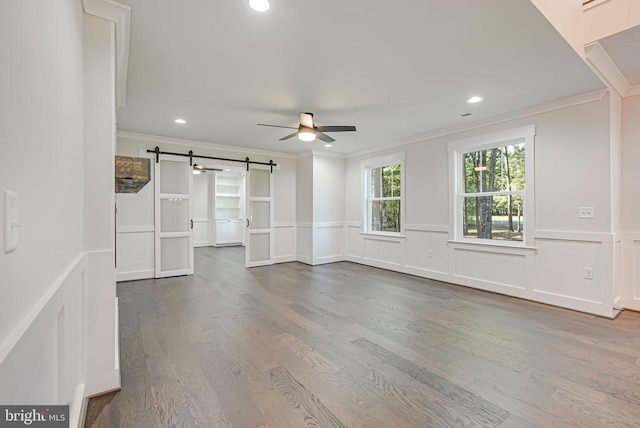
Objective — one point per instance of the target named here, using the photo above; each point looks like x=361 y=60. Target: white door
x=173 y=217
x=259 y=208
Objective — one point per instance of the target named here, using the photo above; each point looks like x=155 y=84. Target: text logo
x=34 y=416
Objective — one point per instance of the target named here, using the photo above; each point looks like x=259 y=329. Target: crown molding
x=312 y=152
x=121 y=16
x=328 y=154
x=157 y=139
x=517 y=114
x=633 y=91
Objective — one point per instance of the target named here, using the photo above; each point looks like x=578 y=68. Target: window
x=383 y=180
x=492 y=194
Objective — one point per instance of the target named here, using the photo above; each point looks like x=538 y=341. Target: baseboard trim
x=79 y=408
x=284 y=259
x=135 y=275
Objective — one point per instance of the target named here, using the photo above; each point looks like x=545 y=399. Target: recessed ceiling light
x=328 y=145
x=180 y=121
x=259 y=5
x=475 y=99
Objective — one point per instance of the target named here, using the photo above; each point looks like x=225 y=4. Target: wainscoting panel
x=328 y=243
x=285 y=245
x=561 y=269
x=492 y=268
x=103 y=367
x=43 y=360
x=354 y=242
x=385 y=251
x=427 y=251
x=631 y=271
x=552 y=271
x=305 y=243
x=202 y=232
x=135 y=253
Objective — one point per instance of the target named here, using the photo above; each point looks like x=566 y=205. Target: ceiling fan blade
x=324 y=137
x=276 y=126
x=288 y=136
x=335 y=128
x=306 y=119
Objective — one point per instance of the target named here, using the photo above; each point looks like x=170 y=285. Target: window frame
x=457 y=193
x=366 y=167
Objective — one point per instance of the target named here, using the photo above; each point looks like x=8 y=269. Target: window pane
x=385 y=216
x=376 y=182
x=391 y=181
x=497 y=169
x=493 y=217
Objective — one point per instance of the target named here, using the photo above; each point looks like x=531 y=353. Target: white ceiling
x=624 y=50
x=395 y=69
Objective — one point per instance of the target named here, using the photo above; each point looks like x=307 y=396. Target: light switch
x=11 y=224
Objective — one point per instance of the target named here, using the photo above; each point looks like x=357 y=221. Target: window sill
x=384 y=235
x=489 y=244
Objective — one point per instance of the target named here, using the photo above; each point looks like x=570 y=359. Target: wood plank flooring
x=345 y=345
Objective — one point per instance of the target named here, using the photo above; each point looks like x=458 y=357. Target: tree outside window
x=384 y=198
x=493 y=191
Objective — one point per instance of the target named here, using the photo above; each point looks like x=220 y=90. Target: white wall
x=328 y=188
x=304 y=189
x=42 y=283
x=572 y=169
x=285 y=211
x=321 y=208
x=328 y=226
x=304 y=210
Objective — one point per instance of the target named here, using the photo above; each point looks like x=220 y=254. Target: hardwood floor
x=345 y=345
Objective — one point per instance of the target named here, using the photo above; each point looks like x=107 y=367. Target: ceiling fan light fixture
x=259 y=5
x=306 y=134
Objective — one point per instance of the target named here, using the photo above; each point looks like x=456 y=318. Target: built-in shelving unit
x=228 y=208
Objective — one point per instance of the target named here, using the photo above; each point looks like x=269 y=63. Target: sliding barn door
x=259 y=209
x=173 y=217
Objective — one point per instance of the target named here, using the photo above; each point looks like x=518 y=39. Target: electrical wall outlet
x=588 y=273
x=585 y=212
x=429 y=254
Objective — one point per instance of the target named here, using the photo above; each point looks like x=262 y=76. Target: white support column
x=103 y=372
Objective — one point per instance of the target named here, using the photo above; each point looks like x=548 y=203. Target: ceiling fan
x=308 y=131
x=201 y=169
